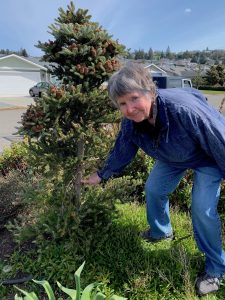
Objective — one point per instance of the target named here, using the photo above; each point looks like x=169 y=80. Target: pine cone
x=108 y=66
x=93 y=52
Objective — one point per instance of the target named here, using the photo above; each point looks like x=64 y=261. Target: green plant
x=55 y=218
x=123 y=263
x=63 y=125
x=212 y=90
x=216 y=75
x=181 y=198
x=13 y=158
x=91 y=292
x=11 y=190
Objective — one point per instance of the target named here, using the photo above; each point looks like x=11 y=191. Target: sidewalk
x=215 y=100
x=4 y=143
x=8 y=106
x=15 y=102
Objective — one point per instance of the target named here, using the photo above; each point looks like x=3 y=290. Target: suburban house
x=155 y=70
x=152 y=68
x=18 y=74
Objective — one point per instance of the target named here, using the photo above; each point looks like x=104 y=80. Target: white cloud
x=187 y=10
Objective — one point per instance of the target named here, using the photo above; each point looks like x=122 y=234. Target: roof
x=37 y=60
x=153 y=66
x=31 y=60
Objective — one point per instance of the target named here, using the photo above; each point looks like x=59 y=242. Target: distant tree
x=146 y=55
x=198 y=79
x=194 y=59
x=179 y=55
x=162 y=54
x=168 y=53
x=186 y=54
x=23 y=52
x=157 y=54
x=212 y=76
x=221 y=72
x=195 y=56
x=150 y=54
x=130 y=55
x=217 y=54
x=139 y=54
x=202 y=59
x=216 y=75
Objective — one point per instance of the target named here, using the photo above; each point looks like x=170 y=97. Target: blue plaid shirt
x=188 y=133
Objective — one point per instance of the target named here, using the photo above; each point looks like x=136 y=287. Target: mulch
x=7 y=244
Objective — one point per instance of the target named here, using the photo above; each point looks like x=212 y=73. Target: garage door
x=17 y=83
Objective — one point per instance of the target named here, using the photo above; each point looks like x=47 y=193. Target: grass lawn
x=213 y=92
x=126 y=264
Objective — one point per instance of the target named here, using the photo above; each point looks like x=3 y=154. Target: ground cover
x=124 y=262
x=209 y=92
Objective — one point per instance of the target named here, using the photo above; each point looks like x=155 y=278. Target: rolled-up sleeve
x=120 y=156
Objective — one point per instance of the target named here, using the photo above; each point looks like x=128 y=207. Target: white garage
x=19 y=74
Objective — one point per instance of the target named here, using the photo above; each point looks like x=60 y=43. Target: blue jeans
x=163 y=180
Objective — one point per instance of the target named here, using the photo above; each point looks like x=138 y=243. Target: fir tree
x=81 y=52
x=83 y=56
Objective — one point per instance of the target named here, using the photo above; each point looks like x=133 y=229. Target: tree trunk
x=79 y=171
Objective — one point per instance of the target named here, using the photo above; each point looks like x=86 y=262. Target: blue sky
x=138 y=24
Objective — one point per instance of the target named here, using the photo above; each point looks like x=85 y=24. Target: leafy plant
x=13 y=158
x=91 y=292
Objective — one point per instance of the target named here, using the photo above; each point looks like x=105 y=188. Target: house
x=152 y=68
x=18 y=74
x=155 y=70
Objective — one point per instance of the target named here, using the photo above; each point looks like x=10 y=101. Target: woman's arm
x=120 y=156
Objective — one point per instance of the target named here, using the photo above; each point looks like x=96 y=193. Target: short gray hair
x=131 y=77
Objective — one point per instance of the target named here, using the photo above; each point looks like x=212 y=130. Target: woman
x=181 y=131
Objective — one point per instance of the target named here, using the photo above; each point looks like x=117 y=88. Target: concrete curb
x=22 y=102
x=13 y=107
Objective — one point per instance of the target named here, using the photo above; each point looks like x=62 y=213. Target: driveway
x=11 y=109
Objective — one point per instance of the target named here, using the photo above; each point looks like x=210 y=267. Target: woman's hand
x=93 y=179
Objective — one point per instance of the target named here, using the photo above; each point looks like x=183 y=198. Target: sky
x=138 y=24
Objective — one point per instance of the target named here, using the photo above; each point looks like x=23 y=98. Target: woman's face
x=135 y=106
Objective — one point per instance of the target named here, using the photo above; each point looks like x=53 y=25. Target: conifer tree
x=216 y=75
x=81 y=52
x=82 y=55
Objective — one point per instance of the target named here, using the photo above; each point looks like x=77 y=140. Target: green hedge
x=212 y=88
